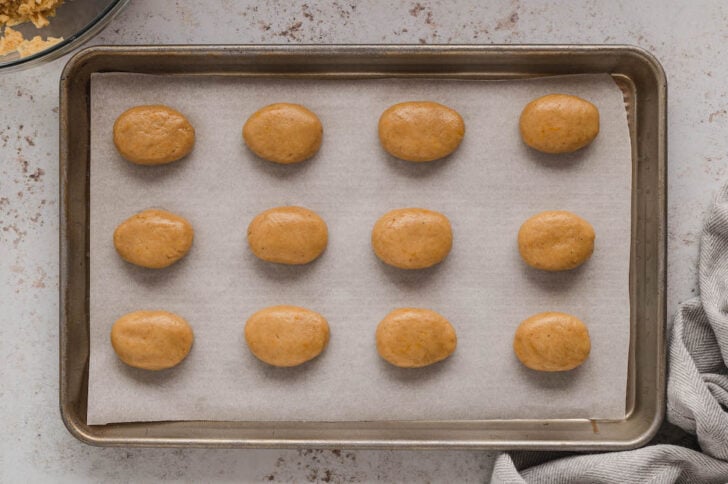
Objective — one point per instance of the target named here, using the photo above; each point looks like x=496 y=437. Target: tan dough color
x=153 y=238
x=153 y=135
x=413 y=338
x=283 y=133
x=552 y=342
x=412 y=238
x=420 y=130
x=559 y=123
x=288 y=235
x=556 y=241
x=151 y=340
x=286 y=335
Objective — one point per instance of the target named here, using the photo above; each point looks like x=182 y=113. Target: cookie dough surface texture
x=552 y=341
x=153 y=238
x=153 y=135
x=14 y=12
x=13 y=40
x=556 y=241
x=420 y=130
x=412 y=238
x=559 y=123
x=288 y=235
x=151 y=340
x=286 y=335
x=283 y=133
x=413 y=338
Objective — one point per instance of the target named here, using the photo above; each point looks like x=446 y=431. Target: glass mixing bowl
x=76 y=21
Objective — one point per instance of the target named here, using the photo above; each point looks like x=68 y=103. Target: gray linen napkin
x=697 y=391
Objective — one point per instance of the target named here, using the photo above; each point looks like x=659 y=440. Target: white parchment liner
x=487 y=189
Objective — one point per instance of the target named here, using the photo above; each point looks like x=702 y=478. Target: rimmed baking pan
x=638 y=74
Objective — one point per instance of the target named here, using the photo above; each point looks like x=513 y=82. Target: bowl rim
x=69 y=43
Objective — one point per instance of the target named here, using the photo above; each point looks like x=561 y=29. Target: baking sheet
x=487 y=189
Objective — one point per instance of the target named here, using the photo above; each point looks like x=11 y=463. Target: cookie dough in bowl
x=288 y=235
x=153 y=135
x=420 y=130
x=559 y=123
x=154 y=238
x=552 y=341
x=151 y=340
x=414 y=337
x=412 y=238
x=283 y=133
x=556 y=241
x=286 y=335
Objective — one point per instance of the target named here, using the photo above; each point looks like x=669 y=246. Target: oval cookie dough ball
x=288 y=235
x=413 y=337
x=559 y=123
x=556 y=241
x=286 y=335
x=153 y=238
x=552 y=342
x=412 y=238
x=420 y=130
x=283 y=133
x=151 y=340
x=153 y=135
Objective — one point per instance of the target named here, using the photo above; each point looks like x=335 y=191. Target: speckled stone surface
x=690 y=40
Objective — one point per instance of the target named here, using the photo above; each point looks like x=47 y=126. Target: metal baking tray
x=637 y=72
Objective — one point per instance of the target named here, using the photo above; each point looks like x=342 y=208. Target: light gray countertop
x=689 y=38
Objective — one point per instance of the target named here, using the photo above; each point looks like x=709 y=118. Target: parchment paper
x=487 y=189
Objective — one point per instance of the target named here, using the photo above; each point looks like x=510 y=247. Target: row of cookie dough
x=286 y=336
x=417 y=131
x=406 y=238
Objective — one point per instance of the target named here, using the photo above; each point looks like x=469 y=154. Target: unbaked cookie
x=153 y=238
x=283 y=133
x=556 y=241
x=559 y=123
x=286 y=335
x=151 y=340
x=412 y=238
x=413 y=337
x=153 y=135
x=420 y=130
x=552 y=342
x=288 y=235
